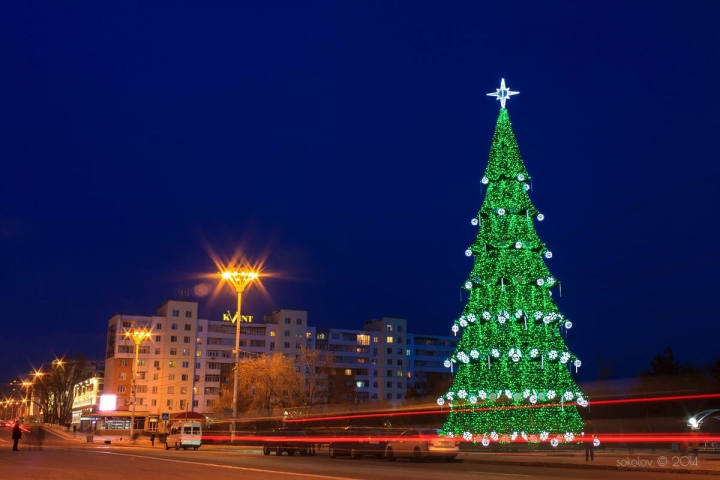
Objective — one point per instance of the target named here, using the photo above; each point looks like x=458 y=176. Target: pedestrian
x=152 y=439
x=16 y=435
x=694 y=443
x=589 y=443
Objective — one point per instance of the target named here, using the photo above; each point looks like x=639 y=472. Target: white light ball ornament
x=482 y=394
x=486 y=315
x=471 y=318
x=540 y=282
x=526 y=187
x=521 y=177
x=485 y=442
x=596 y=442
x=544 y=436
x=462 y=394
x=455 y=329
x=485 y=180
x=554 y=442
x=468 y=253
x=467 y=436
x=473 y=399
x=468 y=285
x=540 y=217
x=518 y=245
x=569 y=436
x=441 y=401
x=501 y=211
x=548 y=254
x=533 y=399
x=463 y=323
x=474 y=221
x=474 y=354
x=447 y=363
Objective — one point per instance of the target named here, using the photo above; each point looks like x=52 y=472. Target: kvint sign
x=228 y=317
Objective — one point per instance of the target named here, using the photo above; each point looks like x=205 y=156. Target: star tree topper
x=502 y=93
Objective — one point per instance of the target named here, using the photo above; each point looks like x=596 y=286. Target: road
x=68 y=460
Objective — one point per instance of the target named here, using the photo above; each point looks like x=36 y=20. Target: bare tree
x=56 y=388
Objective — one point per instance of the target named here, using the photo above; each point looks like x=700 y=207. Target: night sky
x=343 y=143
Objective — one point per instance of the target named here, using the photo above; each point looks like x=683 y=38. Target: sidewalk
x=661 y=462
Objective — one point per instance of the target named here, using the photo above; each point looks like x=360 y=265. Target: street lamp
x=239 y=280
x=26 y=384
x=137 y=335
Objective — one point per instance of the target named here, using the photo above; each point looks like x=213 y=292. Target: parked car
x=285 y=440
x=359 y=441
x=419 y=444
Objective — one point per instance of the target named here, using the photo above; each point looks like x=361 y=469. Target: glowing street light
x=137 y=335
x=239 y=280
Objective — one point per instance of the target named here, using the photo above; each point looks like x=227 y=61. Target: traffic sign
x=165 y=416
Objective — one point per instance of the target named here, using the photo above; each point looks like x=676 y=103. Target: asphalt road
x=61 y=459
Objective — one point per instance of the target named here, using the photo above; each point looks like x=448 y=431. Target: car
x=359 y=441
x=286 y=440
x=422 y=443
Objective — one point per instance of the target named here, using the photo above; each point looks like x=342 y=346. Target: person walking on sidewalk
x=588 y=441
x=152 y=439
x=16 y=435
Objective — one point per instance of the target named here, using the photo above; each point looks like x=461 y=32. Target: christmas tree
x=513 y=370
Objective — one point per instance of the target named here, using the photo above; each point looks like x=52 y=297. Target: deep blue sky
x=345 y=141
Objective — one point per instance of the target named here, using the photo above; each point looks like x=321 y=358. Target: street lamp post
x=239 y=280
x=26 y=384
x=138 y=335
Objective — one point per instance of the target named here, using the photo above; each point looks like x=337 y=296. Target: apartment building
x=183 y=366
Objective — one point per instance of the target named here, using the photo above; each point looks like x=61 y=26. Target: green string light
x=513 y=379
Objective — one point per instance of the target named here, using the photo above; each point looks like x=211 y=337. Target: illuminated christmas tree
x=513 y=370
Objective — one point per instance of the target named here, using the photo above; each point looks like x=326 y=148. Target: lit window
x=363 y=339
x=389 y=327
x=172 y=364
x=321 y=336
x=348 y=371
x=272 y=333
x=389 y=339
x=198 y=353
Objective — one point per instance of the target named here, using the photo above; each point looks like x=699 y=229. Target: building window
x=186 y=351
x=321 y=336
x=184 y=377
x=348 y=371
x=156 y=376
x=172 y=364
x=399 y=384
x=175 y=313
x=272 y=345
x=126 y=324
x=154 y=390
x=173 y=326
x=399 y=351
x=188 y=327
x=375 y=373
x=389 y=340
x=399 y=363
x=185 y=364
x=286 y=333
x=389 y=373
x=153 y=402
x=198 y=353
x=158 y=338
x=388 y=384
x=121 y=389
x=157 y=351
x=400 y=328
x=388 y=396
x=171 y=390
x=173 y=351
x=158 y=326
x=375 y=384
x=171 y=377
x=297 y=346
x=389 y=361
x=173 y=338
x=123 y=376
x=272 y=333
x=399 y=373
x=286 y=345
x=399 y=396
x=389 y=351
x=298 y=321
x=169 y=403
x=388 y=327
x=188 y=314
x=186 y=339
x=183 y=390
x=363 y=339
x=287 y=320
x=200 y=328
